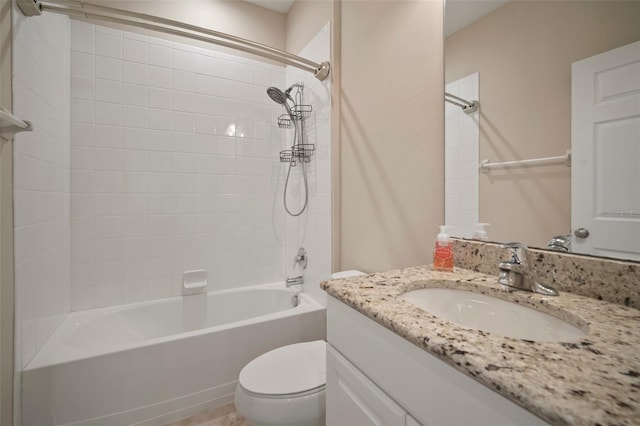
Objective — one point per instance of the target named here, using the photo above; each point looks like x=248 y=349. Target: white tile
x=135 y=72
x=183 y=122
x=160 y=98
x=134 y=117
x=183 y=81
x=108 y=159
x=135 y=182
x=109 y=205
x=205 y=124
x=108 y=114
x=225 y=87
x=183 y=101
x=82 y=87
x=108 y=45
x=108 y=182
x=108 y=30
x=135 y=51
x=159 y=77
x=82 y=111
x=83 y=204
x=108 y=68
x=206 y=65
x=184 y=61
x=108 y=136
x=205 y=85
x=135 y=95
x=109 y=227
x=82 y=39
x=81 y=181
x=108 y=91
x=183 y=163
x=160 y=162
x=244 y=73
x=225 y=69
x=159 y=119
x=135 y=160
x=135 y=138
x=160 y=56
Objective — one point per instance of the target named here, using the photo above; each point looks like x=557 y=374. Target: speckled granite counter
x=594 y=381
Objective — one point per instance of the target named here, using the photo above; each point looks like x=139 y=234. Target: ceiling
x=281 y=6
x=458 y=13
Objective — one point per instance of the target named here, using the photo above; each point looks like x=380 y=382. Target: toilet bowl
x=285 y=386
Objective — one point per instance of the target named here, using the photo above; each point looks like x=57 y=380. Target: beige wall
x=523 y=52
x=6 y=226
x=391 y=132
x=304 y=20
x=233 y=17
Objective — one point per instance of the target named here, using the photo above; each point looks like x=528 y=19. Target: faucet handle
x=515 y=248
x=301 y=258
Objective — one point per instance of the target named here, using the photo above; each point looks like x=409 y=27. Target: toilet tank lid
x=346 y=274
x=289 y=369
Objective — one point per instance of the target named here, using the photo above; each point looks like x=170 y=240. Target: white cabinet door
x=354 y=400
x=605 y=144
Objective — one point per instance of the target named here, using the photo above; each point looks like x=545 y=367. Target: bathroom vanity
x=390 y=362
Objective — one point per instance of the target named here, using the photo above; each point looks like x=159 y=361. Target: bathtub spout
x=295 y=281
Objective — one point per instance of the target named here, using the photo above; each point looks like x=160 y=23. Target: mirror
x=516 y=57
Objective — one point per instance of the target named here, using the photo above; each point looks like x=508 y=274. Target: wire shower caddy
x=299 y=151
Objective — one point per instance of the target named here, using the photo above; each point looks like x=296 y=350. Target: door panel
x=605 y=144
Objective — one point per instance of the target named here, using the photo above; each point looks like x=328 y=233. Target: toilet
x=286 y=386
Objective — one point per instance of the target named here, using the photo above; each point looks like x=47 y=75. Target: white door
x=605 y=145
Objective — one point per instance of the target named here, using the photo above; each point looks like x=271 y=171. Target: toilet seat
x=293 y=370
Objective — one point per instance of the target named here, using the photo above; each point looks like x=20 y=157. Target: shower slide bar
x=88 y=11
x=468 y=107
x=485 y=165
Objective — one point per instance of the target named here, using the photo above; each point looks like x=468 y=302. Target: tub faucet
x=514 y=273
x=295 y=281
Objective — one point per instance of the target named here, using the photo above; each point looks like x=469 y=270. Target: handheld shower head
x=278 y=96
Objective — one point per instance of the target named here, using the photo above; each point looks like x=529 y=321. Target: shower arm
x=88 y=11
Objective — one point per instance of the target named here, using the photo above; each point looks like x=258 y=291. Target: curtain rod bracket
x=322 y=72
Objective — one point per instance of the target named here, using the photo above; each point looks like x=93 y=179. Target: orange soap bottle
x=443 y=253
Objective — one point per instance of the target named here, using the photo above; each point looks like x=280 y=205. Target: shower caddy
x=299 y=151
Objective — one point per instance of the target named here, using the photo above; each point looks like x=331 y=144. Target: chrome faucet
x=514 y=273
x=560 y=243
x=302 y=260
x=299 y=280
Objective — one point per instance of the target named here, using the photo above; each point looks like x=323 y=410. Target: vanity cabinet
x=375 y=377
x=356 y=400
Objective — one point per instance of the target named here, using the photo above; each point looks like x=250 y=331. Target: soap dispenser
x=481 y=232
x=443 y=253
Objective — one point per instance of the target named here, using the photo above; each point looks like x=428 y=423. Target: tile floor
x=221 y=416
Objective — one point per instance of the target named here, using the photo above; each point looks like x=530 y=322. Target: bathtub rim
x=306 y=304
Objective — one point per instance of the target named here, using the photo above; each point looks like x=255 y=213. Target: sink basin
x=493 y=315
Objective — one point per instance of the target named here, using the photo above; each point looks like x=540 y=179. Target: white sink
x=486 y=313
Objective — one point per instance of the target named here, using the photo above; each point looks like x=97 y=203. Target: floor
x=221 y=416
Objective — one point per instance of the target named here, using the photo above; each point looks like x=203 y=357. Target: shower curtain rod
x=81 y=9
x=467 y=107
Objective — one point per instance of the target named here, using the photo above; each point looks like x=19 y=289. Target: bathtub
x=155 y=362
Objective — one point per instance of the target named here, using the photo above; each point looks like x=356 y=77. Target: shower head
x=278 y=96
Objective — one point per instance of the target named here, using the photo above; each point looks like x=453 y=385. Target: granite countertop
x=592 y=381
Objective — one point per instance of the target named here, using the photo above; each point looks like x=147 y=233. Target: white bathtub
x=155 y=362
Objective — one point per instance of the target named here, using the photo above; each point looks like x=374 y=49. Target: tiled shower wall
x=462 y=150
x=312 y=229
x=173 y=167
x=41 y=180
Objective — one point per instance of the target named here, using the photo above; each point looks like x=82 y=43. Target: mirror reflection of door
x=605 y=140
